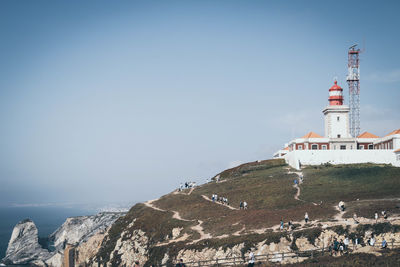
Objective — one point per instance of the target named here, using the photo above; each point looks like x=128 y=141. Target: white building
x=338 y=146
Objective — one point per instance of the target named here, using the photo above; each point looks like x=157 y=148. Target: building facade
x=337 y=146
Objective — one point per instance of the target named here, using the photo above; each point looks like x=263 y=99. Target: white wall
x=318 y=157
x=335 y=127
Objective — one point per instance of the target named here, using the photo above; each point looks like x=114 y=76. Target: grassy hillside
x=267 y=187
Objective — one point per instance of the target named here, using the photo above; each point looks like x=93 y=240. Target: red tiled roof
x=394 y=132
x=398 y=150
x=312 y=135
x=367 y=135
x=286 y=148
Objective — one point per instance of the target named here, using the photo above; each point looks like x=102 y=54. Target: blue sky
x=109 y=101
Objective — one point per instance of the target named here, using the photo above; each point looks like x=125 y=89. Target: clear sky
x=109 y=101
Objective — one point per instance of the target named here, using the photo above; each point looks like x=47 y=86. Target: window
x=314 y=147
x=338 y=136
x=324 y=147
x=338 y=118
x=370 y=146
x=334 y=147
x=342 y=147
x=361 y=147
x=300 y=147
x=398 y=157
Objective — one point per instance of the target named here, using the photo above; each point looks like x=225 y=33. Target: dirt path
x=298 y=188
x=150 y=204
x=198 y=228
x=216 y=202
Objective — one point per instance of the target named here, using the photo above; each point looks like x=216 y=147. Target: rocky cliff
x=24 y=248
x=189 y=225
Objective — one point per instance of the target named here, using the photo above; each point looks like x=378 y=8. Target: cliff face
x=76 y=230
x=24 y=248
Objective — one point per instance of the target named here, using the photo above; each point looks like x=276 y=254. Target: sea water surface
x=46 y=218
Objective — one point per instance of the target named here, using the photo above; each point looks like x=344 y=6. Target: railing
x=278 y=257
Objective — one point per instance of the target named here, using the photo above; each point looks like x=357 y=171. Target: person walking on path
x=281 y=225
x=376 y=217
x=251 y=259
x=341 y=205
x=306 y=217
x=384 y=243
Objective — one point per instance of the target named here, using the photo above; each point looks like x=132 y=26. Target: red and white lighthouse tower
x=336 y=115
x=335 y=95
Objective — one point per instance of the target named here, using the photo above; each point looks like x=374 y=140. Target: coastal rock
x=76 y=230
x=23 y=246
x=130 y=248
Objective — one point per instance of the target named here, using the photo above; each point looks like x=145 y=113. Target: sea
x=46 y=218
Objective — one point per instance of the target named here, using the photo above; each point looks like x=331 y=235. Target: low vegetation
x=267 y=187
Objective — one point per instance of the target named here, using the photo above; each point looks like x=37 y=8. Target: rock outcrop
x=76 y=230
x=23 y=246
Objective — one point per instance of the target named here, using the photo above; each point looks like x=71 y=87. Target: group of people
x=290 y=222
x=187 y=185
x=383 y=214
x=222 y=200
x=339 y=247
x=243 y=205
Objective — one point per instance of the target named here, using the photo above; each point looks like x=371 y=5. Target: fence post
x=283 y=256
x=198 y=263
x=312 y=254
x=216 y=261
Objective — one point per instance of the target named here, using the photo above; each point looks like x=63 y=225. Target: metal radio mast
x=353 y=80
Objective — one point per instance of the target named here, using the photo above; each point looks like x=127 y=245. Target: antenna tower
x=353 y=80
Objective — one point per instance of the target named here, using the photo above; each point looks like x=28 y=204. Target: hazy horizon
x=110 y=102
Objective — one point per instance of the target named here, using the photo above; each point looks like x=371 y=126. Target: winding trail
x=198 y=228
x=338 y=218
x=297 y=186
x=216 y=202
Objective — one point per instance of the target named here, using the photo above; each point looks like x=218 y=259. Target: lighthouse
x=336 y=114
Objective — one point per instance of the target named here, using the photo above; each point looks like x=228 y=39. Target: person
x=245 y=205
x=384 y=243
x=180 y=263
x=384 y=214
x=251 y=259
x=281 y=225
x=341 y=205
x=371 y=241
x=180 y=187
x=301 y=177
x=376 y=217
x=355 y=242
x=341 y=247
x=346 y=243
x=290 y=224
x=355 y=218
x=335 y=246
x=306 y=217
x=241 y=205
x=295 y=181
x=136 y=264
